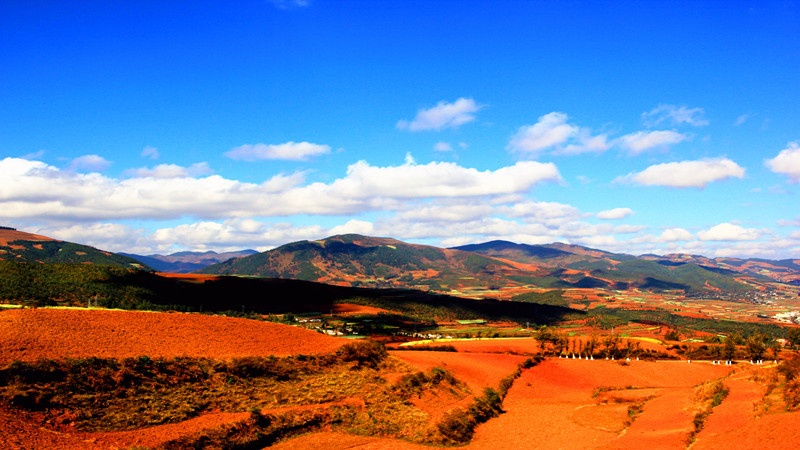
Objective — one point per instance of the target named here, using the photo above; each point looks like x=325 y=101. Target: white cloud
x=787 y=162
x=443 y=115
x=547 y=213
x=150 y=152
x=35 y=155
x=170 y=171
x=551 y=130
x=105 y=236
x=443 y=147
x=440 y=179
x=442 y=212
x=675 y=235
x=616 y=213
x=641 y=141
x=729 y=232
x=32 y=189
x=233 y=234
x=686 y=173
x=354 y=227
x=90 y=162
x=291 y=151
x=674 y=115
x=586 y=143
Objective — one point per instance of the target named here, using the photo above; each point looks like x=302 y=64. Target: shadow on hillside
x=277 y=296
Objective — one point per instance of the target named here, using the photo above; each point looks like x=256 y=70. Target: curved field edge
x=279 y=397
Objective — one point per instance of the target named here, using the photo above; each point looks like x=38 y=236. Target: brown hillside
x=7 y=236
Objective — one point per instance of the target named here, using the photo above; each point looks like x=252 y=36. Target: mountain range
x=355 y=260
x=186 y=262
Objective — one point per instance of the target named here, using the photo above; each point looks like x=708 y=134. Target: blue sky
x=638 y=127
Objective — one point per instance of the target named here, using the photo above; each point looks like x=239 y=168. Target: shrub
x=789 y=368
x=364 y=353
x=791 y=394
x=457 y=426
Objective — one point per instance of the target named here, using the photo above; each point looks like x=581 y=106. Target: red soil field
x=477 y=370
x=22 y=434
x=335 y=440
x=29 y=334
x=349 y=309
x=733 y=423
x=196 y=277
x=771 y=431
x=550 y=406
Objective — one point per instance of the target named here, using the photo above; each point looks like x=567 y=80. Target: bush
x=364 y=353
x=791 y=395
x=789 y=368
x=457 y=427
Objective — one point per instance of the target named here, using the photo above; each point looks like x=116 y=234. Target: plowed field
x=29 y=334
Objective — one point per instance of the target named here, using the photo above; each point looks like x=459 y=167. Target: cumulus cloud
x=787 y=162
x=33 y=189
x=641 y=141
x=170 y=171
x=674 y=115
x=107 y=236
x=150 y=152
x=234 y=234
x=686 y=174
x=354 y=226
x=443 y=115
x=90 y=162
x=729 y=232
x=586 y=143
x=551 y=130
x=675 y=235
x=616 y=213
x=441 y=179
x=291 y=151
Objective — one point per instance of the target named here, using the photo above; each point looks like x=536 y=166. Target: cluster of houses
x=788 y=317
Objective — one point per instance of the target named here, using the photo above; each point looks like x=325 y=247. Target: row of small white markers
x=727 y=363
x=588 y=358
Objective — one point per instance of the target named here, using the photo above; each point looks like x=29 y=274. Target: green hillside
x=62 y=252
x=19 y=246
x=368 y=260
